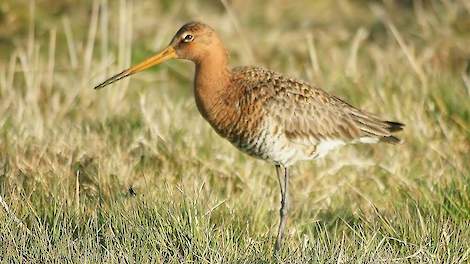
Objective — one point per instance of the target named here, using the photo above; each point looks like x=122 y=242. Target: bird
x=263 y=113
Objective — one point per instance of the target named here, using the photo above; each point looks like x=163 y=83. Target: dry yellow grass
x=69 y=154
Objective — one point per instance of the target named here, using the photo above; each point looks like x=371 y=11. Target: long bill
x=166 y=54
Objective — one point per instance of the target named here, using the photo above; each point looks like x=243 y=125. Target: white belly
x=274 y=146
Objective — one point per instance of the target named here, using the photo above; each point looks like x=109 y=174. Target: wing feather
x=308 y=114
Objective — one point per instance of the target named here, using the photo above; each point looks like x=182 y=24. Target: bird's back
x=284 y=120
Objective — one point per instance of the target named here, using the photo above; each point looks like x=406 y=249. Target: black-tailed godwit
x=263 y=113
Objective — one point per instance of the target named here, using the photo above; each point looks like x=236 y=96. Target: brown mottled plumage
x=263 y=113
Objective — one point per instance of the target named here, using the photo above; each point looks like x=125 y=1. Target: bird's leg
x=283 y=177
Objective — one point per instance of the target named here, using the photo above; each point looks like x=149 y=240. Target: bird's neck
x=212 y=79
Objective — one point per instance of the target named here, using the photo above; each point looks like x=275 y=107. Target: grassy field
x=133 y=174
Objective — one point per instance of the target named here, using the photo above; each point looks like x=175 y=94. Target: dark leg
x=283 y=177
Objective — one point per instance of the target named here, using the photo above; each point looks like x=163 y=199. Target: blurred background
x=132 y=172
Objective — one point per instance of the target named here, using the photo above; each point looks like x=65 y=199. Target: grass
x=133 y=174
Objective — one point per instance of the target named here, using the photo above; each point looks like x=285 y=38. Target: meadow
x=133 y=174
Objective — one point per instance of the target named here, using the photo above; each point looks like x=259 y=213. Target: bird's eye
x=188 y=38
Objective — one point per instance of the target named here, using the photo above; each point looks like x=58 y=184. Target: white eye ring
x=188 y=37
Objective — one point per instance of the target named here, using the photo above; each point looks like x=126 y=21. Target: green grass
x=69 y=154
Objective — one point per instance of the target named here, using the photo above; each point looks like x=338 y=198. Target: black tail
x=392 y=127
x=372 y=126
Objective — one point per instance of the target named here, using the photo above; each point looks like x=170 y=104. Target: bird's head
x=193 y=41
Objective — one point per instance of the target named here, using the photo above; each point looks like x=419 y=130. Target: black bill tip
x=113 y=79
